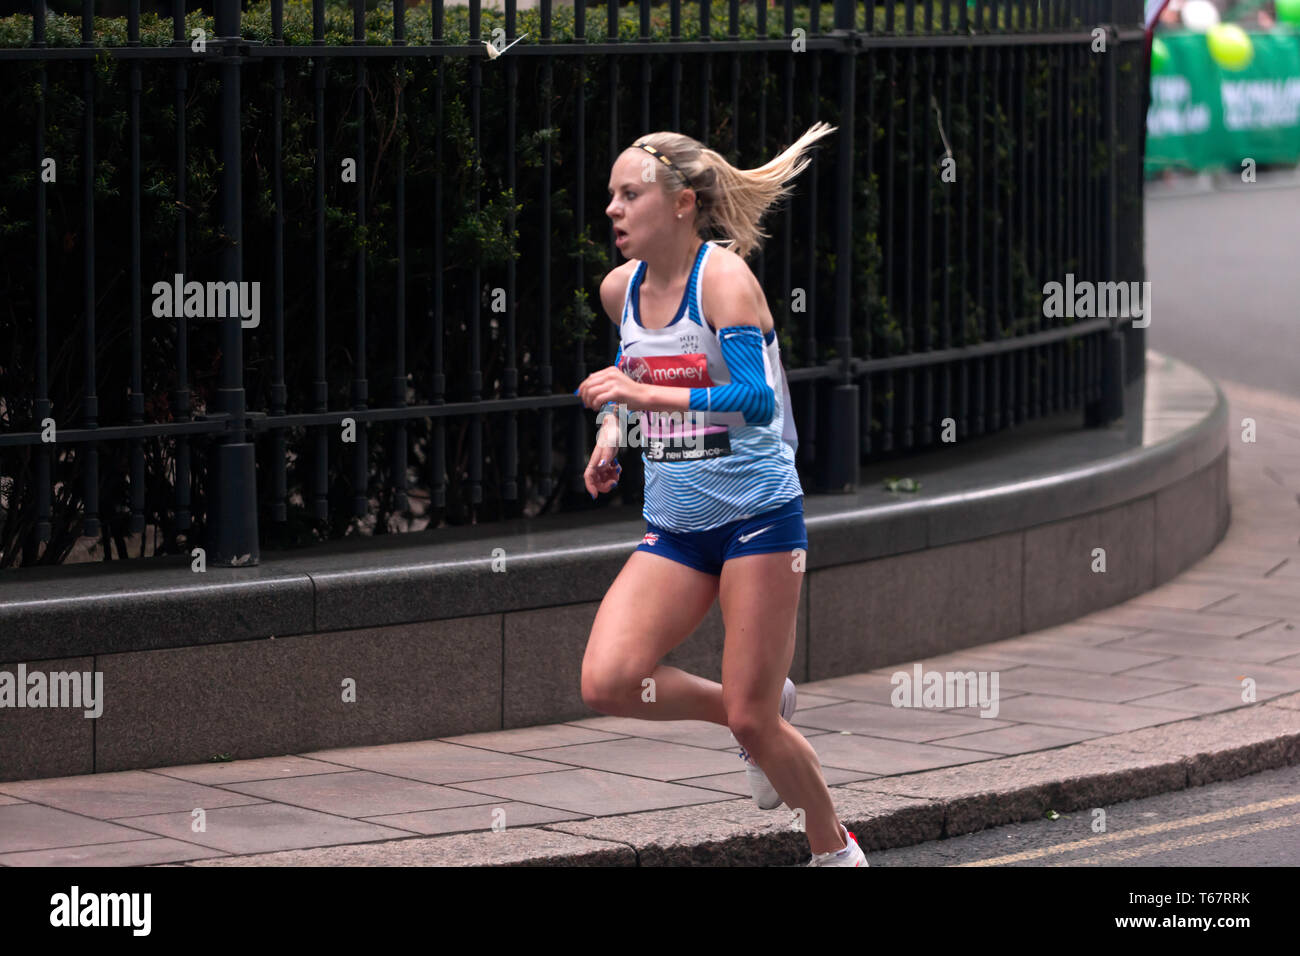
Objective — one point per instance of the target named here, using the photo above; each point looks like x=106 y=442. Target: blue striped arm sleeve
x=748 y=391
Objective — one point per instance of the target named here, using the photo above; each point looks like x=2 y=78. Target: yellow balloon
x=1230 y=46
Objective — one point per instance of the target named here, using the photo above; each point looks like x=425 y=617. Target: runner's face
x=638 y=209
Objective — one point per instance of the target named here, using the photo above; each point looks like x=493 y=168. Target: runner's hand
x=611 y=385
x=603 y=469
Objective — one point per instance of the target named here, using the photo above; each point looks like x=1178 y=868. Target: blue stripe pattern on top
x=756 y=477
x=759 y=475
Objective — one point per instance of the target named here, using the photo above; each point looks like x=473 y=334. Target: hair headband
x=671 y=165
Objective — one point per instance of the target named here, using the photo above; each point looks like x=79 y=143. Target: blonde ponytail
x=733 y=201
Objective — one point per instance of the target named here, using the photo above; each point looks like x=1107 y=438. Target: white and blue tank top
x=710 y=468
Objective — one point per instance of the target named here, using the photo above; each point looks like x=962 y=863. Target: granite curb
x=883 y=813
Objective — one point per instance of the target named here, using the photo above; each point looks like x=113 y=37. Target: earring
x=679 y=215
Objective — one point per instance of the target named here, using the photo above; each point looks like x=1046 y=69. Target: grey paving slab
x=1204 y=670
x=1292 y=661
x=1236 y=557
x=1278 y=587
x=148 y=851
x=1231 y=577
x=486 y=816
x=595 y=792
x=1003 y=695
x=738 y=783
x=640 y=757
x=1287 y=570
x=433 y=761
x=1257 y=604
x=1085 y=714
x=1258 y=524
x=1085 y=634
x=881 y=756
x=1170 y=619
x=1185 y=596
x=531 y=738
x=1278 y=630
x=1197 y=698
x=1246 y=650
x=874 y=687
x=29 y=826
x=1097 y=659
x=1281 y=631
x=896 y=723
x=1057 y=682
x=7 y=800
x=697 y=733
x=1272 y=583
x=237 y=771
x=1020 y=739
x=128 y=793
x=265 y=827
x=973 y=660
x=811 y=701
x=358 y=793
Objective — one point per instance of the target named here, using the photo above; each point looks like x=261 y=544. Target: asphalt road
x=1254 y=821
x=1224 y=268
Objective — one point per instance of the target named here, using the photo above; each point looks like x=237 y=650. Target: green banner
x=1207 y=116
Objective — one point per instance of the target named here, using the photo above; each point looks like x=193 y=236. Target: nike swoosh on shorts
x=753 y=534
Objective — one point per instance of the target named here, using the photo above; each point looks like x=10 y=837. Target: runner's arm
x=610 y=408
x=748 y=391
x=734 y=300
x=611 y=290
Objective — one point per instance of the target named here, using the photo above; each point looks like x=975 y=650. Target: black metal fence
x=423 y=209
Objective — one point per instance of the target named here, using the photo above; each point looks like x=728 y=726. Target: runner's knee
x=748 y=722
x=609 y=688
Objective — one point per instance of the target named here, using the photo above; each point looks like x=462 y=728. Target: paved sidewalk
x=1141 y=698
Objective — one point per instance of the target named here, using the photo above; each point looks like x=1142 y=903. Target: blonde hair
x=732 y=201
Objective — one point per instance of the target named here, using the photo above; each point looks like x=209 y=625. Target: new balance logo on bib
x=689 y=446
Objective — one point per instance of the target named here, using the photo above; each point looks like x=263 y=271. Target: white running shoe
x=851 y=855
x=765 y=794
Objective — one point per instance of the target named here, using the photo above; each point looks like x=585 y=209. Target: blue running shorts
x=781 y=529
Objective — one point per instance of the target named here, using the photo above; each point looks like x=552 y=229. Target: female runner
x=723 y=502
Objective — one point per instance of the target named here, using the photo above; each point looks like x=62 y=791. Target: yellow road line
x=1139 y=832
x=1195 y=839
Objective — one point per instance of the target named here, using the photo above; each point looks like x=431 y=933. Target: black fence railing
x=221 y=230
